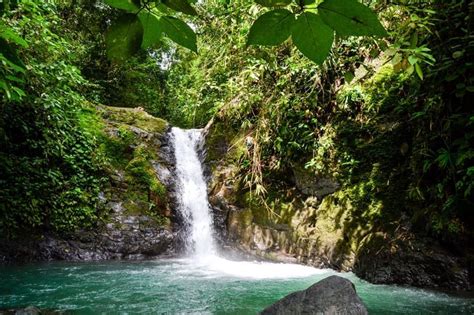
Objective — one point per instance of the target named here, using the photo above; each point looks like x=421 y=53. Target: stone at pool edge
x=30 y=310
x=332 y=295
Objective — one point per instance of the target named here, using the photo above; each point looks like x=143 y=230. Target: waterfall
x=192 y=191
x=194 y=207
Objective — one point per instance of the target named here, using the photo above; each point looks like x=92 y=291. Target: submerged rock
x=30 y=310
x=333 y=295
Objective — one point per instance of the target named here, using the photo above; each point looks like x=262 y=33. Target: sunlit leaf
x=350 y=17
x=11 y=36
x=412 y=60
x=124 y=37
x=312 y=37
x=151 y=29
x=418 y=70
x=179 y=32
x=180 y=6
x=271 y=28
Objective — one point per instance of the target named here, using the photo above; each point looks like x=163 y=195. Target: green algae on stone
x=135 y=117
x=224 y=143
x=129 y=147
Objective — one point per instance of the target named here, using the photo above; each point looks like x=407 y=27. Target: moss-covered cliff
x=134 y=217
x=131 y=144
x=349 y=206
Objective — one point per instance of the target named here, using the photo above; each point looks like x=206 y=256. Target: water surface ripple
x=183 y=286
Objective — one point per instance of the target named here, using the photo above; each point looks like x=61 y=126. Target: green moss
x=260 y=213
x=126 y=136
x=223 y=143
x=115 y=151
x=141 y=171
x=285 y=210
x=132 y=156
x=274 y=211
x=90 y=121
x=158 y=188
x=135 y=207
x=135 y=117
x=345 y=218
x=245 y=217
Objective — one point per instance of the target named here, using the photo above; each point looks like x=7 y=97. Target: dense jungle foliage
x=388 y=117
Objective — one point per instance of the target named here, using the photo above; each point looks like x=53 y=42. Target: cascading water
x=192 y=191
x=194 y=206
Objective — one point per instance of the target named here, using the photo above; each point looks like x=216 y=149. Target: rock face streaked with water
x=331 y=296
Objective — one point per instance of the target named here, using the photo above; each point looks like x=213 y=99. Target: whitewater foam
x=192 y=191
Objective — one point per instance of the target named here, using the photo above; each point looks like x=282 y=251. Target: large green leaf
x=127 y=5
x=180 y=6
x=9 y=57
x=304 y=2
x=151 y=29
x=179 y=32
x=273 y=3
x=271 y=28
x=312 y=37
x=349 y=17
x=10 y=35
x=124 y=37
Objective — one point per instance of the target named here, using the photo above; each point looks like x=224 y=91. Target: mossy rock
x=135 y=207
x=135 y=117
x=126 y=146
x=224 y=143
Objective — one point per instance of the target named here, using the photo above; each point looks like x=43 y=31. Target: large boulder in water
x=333 y=295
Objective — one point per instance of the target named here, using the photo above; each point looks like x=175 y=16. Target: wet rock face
x=422 y=265
x=318 y=224
x=333 y=295
x=124 y=237
x=312 y=185
x=130 y=230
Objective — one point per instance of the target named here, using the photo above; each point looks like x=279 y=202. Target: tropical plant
x=50 y=166
x=311 y=24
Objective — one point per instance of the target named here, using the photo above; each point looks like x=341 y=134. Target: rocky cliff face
x=136 y=218
x=313 y=220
